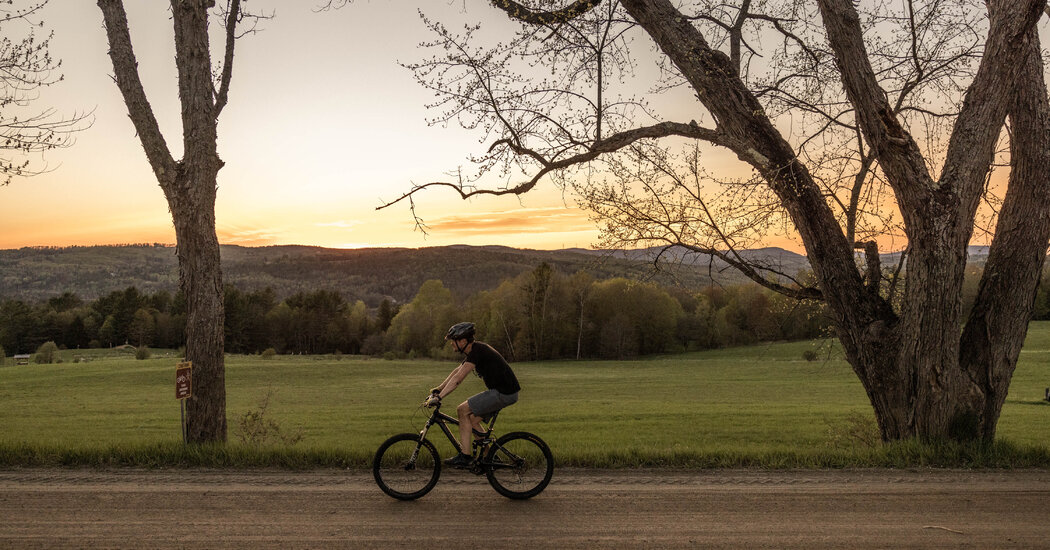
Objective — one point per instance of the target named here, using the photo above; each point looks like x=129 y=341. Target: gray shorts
x=490 y=401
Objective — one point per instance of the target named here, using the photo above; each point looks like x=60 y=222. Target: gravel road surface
x=55 y=508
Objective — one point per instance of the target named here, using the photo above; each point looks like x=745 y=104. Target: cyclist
x=493 y=369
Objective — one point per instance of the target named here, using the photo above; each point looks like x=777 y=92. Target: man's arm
x=442 y=385
x=455 y=378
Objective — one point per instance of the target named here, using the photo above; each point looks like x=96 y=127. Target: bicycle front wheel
x=519 y=465
x=406 y=467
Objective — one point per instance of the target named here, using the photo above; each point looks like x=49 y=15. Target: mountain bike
x=518 y=465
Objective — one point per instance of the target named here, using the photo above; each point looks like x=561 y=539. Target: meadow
x=757 y=406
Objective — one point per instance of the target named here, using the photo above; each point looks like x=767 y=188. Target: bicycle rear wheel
x=519 y=465
x=405 y=467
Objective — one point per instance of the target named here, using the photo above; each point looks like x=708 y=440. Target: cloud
x=530 y=220
x=248 y=236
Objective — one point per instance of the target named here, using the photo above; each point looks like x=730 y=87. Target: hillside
x=367 y=274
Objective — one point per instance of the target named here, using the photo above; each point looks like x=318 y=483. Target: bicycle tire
x=401 y=479
x=519 y=465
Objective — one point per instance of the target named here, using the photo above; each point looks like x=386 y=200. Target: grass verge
x=906 y=454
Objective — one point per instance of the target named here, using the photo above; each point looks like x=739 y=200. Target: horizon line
x=379 y=247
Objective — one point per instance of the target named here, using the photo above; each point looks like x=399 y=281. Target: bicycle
x=518 y=465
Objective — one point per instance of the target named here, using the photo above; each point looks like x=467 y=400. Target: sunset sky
x=322 y=126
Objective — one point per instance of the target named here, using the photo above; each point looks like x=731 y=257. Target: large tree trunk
x=910 y=371
x=200 y=277
x=926 y=385
x=922 y=380
x=193 y=210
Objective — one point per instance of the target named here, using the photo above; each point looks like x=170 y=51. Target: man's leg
x=467 y=421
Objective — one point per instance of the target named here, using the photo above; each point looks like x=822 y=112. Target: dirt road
x=580 y=509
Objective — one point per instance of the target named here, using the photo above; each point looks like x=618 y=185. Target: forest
x=539 y=314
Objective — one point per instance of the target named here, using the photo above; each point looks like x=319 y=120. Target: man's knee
x=463 y=409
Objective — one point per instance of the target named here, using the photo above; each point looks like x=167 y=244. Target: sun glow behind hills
x=322 y=127
x=312 y=143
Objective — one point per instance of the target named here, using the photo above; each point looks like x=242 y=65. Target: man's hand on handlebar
x=432 y=401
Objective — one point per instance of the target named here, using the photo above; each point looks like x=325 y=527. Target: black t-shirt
x=492 y=368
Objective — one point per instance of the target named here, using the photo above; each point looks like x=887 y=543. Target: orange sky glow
x=322 y=127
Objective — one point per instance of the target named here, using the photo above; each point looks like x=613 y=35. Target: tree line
x=540 y=314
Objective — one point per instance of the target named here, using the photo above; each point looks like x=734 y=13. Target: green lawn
x=705 y=408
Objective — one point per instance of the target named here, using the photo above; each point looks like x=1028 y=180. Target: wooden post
x=183 y=391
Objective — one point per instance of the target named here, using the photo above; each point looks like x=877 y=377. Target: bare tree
x=886 y=114
x=189 y=184
x=26 y=66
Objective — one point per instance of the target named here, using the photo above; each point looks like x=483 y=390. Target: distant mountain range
x=368 y=274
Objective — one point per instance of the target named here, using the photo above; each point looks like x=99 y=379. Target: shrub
x=809 y=355
x=258 y=429
x=3 y=356
x=268 y=353
x=142 y=352
x=46 y=353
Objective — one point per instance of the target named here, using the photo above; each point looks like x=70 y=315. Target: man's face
x=458 y=345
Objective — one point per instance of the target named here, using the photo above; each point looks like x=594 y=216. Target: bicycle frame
x=443 y=420
x=481 y=440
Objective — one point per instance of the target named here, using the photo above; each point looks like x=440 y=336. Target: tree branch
x=976 y=130
x=612 y=143
x=125 y=69
x=972 y=146
x=227 y=65
x=751 y=271
x=898 y=154
x=874 y=273
x=525 y=15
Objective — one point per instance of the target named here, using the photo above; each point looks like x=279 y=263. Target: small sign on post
x=183 y=390
x=184 y=380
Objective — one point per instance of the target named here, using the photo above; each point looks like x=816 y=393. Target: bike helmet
x=460 y=331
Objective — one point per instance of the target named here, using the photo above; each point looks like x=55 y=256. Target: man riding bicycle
x=493 y=369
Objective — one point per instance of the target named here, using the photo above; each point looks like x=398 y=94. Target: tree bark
x=189 y=186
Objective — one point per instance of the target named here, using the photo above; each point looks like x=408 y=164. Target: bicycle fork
x=419 y=444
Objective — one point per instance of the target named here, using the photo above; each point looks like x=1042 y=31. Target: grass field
x=754 y=406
